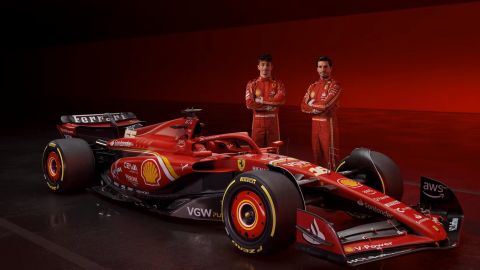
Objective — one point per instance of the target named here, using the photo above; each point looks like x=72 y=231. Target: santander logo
x=315 y=231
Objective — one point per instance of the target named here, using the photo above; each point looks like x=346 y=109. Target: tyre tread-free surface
x=77 y=162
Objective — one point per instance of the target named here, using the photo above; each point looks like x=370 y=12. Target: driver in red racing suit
x=321 y=101
x=264 y=95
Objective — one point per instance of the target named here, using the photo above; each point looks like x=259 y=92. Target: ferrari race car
x=265 y=200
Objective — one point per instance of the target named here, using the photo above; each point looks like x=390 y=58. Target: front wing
x=384 y=239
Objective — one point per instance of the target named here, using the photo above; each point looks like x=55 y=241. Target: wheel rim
x=54 y=166
x=248 y=214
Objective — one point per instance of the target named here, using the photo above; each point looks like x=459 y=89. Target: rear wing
x=383 y=239
x=81 y=119
x=105 y=126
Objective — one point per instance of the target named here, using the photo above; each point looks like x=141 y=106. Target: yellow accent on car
x=163 y=161
x=274 y=216
x=223 y=198
x=383 y=184
x=63 y=167
x=254 y=209
x=241 y=164
x=349 y=182
x=248 y=180
x=341 y=164
x=52 y=187
x=169 y=167
x=150 y=171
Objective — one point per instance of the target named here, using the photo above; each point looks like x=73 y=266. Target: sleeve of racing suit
x=330 y=100
x=304 y=105
x=250 y=98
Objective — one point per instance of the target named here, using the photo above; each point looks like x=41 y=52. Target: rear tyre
x=68 y=165
x=375 y=170
x=259 y=211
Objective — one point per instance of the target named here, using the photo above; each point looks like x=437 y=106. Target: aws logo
x=433 y=190
x=150 y=172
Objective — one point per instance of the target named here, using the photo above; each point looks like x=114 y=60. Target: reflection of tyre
x=373 y=169
x=68 y=165
x=259 y=211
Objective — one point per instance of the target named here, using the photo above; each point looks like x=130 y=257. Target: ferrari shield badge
x=241 y=164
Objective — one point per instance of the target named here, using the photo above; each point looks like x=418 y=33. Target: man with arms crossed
x=321 y=101
x=264 y=95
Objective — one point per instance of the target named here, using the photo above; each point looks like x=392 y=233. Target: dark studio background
x=409 y=70
x=62 y=57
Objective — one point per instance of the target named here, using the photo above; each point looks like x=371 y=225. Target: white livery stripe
x=164 y=168
x=159 y=159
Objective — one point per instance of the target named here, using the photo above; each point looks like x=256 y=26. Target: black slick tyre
x=375 y=170
x=259 y=211
x=68 y=165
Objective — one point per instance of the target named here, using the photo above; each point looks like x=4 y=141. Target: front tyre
x=68 y=165
x=259 y=211
x=373 y=169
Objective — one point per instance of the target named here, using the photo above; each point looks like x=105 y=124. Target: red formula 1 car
x=264 y=199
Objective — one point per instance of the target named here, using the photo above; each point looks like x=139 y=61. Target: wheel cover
x=54 y=166
x=248 y=214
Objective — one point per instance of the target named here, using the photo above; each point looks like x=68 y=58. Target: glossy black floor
x=40 y=230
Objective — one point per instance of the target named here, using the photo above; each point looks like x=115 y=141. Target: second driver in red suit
x=321 y=101
x=264 y=95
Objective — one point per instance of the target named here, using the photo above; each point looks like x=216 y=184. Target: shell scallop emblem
x=349 y=182
x=150 y=172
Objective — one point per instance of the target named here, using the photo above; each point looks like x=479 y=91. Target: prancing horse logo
x=241 y=164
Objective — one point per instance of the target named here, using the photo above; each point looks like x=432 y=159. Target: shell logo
x=150 y=172
x=348 y=249
x=349 y=183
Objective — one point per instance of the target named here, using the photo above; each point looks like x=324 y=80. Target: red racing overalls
x=321 y=100
x=264 y=96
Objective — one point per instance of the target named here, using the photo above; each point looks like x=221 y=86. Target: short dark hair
x=326 y=59
x=265 y=57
